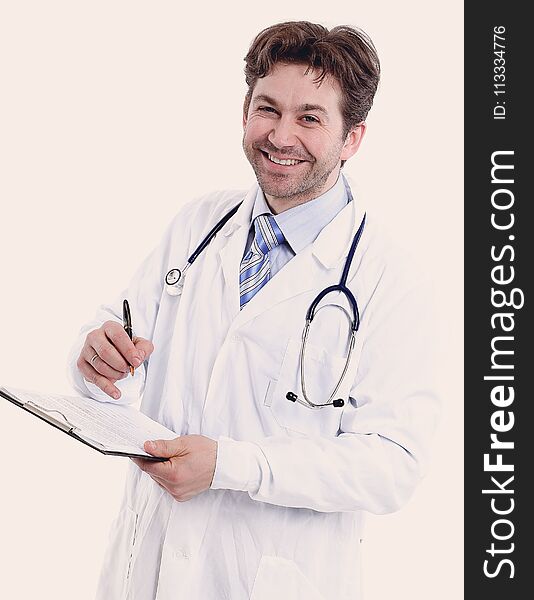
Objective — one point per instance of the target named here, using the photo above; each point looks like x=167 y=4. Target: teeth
x=287 y=162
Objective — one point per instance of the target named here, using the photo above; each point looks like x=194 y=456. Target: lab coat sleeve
x=381 y=452
x=143 y=294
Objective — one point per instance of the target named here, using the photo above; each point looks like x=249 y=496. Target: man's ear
x=353 y=140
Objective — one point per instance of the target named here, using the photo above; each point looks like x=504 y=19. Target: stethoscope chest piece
x=172 y=280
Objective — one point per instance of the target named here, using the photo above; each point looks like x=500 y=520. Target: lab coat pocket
x=281 y=578
x=322 y=372
x=115 y=576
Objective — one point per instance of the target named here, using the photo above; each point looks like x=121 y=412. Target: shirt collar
x=302 y=224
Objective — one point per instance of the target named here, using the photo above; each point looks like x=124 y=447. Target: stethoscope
x=174 y=277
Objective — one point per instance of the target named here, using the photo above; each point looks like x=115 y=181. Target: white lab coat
x=283 y=517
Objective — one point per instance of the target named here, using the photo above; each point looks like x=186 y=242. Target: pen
x=127 y=324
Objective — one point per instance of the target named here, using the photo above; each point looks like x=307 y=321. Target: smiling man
x=296 y=141
x=287 y=431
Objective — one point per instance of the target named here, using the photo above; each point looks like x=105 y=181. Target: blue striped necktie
x=255 y=269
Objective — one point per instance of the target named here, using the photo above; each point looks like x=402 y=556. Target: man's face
x=292 y=119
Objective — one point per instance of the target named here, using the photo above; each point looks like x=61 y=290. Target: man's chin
x=279 y=185
x=280 y=191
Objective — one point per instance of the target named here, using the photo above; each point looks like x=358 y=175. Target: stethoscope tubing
x=174 y=276
x=341 y=286
x=212 y=233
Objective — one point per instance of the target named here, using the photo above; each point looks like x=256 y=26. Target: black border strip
x=497 y=546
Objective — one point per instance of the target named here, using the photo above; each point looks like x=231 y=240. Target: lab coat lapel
x=297 y=276
x=311 y=268
x=332 y=246
x=233 y=241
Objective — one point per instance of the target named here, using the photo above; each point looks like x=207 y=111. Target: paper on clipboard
x=107 y=427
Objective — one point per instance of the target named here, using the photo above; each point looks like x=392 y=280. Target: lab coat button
x=181 y=554
x=236 y=338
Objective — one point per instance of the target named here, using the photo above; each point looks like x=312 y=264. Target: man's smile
x=271 y=159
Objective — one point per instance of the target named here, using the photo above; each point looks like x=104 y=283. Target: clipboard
x=59 y=420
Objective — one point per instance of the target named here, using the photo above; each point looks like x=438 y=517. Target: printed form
x=112 y=427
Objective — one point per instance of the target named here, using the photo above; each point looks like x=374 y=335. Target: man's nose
x=283 y=133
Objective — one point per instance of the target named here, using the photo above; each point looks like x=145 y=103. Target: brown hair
x=344 y=53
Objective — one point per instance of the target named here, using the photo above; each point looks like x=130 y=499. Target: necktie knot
x=255 y=267
x=267 y=233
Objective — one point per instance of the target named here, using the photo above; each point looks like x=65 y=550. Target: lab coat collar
x=243 y=216
x=333 y=243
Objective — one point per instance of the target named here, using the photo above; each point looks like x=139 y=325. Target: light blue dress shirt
x=300 y=225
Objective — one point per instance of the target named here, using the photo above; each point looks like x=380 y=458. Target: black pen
x=127 y=324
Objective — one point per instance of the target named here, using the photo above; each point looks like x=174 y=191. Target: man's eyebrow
x=302 y=108
x=265 y=98
x=313 y=107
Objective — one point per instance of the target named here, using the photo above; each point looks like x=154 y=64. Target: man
x=263 y=491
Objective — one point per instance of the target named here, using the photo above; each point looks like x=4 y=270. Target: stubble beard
x=285 y=187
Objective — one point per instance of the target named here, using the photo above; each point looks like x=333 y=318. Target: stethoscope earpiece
x=292 y=397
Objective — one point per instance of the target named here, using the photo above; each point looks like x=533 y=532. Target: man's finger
x=107 y=350
x=162 y=471
x=91 y=356
x=165 y=448
x=120 y=339
x=91 y=375
x=144 y=347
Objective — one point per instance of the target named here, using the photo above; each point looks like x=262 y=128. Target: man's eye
x=310 y=119
x=266 y=109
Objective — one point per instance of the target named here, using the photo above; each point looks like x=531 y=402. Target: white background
x=112 y=115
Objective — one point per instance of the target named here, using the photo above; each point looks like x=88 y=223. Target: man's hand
x=107 y=354
x=190 y=468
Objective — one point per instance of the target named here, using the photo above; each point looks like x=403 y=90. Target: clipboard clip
x=44 y=413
